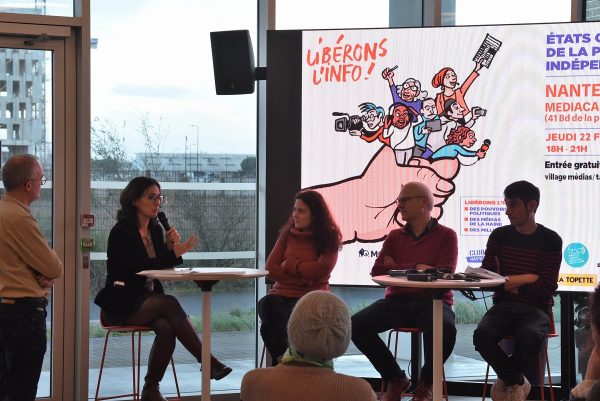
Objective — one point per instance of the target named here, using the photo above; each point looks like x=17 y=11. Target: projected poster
x=466 y=110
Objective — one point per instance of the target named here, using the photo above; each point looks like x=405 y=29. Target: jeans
x=527 y=323
x=394 y=311
x=274 y=312
x=22 y=348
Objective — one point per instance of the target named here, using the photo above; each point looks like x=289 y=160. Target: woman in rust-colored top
x=301 y=261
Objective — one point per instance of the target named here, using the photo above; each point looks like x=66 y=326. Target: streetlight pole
x=197 y=141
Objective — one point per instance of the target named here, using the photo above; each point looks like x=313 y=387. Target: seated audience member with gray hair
x=319 y=330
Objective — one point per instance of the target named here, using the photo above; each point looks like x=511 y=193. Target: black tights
x=169 y=321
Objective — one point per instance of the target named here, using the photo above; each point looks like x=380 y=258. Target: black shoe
x=219 y=372
x=151 y=392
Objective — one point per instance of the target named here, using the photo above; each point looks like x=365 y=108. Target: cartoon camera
x=346 y=122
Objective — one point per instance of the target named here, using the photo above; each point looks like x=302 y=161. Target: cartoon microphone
x=484 y=148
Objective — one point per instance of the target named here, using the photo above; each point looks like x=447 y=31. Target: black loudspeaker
x=233 y=62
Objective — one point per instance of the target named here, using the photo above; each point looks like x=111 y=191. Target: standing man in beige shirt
x=28 y=268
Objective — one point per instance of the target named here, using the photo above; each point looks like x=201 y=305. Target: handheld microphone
x=486 y=145
x=162 y=217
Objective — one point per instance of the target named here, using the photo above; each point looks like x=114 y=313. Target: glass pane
x=476 y=12
x=26 y=127
x=316 y=14
x=62 y=8
x=592 y=10
x=583 y=333
x=156 y=113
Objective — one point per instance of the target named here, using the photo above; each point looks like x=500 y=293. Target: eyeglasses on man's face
x=405 y=199
x=42 y=179
x=154 y=198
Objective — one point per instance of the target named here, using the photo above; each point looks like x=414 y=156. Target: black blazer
x=126 y=257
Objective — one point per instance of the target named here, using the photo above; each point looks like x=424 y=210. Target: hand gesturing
x=182 y=247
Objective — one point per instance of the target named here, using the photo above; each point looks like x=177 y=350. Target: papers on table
x=210 y=270
x=182 y=271
x=482 y=273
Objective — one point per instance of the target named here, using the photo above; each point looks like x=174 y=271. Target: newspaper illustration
x=486 y=52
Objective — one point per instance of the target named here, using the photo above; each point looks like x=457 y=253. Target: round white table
x=438 y=287
x=206 y=278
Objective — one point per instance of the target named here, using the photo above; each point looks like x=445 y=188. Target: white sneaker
x=499 y=391
x=523 y=390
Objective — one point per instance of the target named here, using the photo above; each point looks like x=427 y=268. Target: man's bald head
x=412 y=189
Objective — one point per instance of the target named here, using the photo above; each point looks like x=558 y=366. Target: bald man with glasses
x=28 y=268
x=422 y=243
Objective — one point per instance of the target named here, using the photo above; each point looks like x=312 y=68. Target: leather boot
x=151 y=392
x=217 y=369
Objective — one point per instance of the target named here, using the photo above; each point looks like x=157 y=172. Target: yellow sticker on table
x=579 y=280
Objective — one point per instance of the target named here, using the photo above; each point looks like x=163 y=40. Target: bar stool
x=541 y=371
x=135 y=377
x=415 y=335
x=262 y=356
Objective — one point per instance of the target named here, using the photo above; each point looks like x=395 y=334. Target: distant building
x=198 y=166
x=23 y=99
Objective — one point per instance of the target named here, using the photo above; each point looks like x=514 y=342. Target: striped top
x=538 y=253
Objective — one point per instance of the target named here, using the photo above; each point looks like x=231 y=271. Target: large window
x=155 y=113
x=315 y=14
x=63 y=8
x=474 y=12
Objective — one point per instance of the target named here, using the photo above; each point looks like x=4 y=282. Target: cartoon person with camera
x=372 y=121
x=421 y=131
x=368 y=126
x=453 y=115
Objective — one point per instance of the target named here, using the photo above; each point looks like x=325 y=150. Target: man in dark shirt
x=422 y=243
x=528 y=255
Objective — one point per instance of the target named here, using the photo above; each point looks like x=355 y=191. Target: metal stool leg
x=262 y=356
x=135 y=393
x=101 y=365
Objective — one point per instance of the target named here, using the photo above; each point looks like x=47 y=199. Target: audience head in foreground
x=319 y=329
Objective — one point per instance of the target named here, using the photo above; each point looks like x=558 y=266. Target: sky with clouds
x=153 y=59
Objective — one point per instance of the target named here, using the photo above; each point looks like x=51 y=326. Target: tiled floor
x=117 y=374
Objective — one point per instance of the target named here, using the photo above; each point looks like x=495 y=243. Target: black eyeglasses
x=154 y=198
x=42 y=179
x=406 y=198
